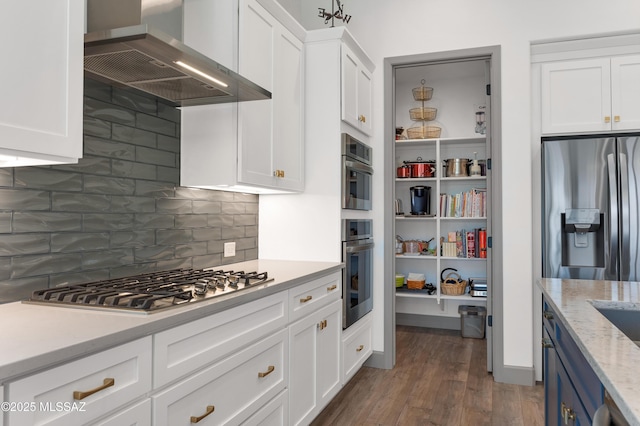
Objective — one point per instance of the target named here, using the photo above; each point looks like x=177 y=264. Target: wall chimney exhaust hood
x=137 y=43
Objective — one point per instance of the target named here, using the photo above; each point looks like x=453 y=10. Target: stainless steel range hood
x=137 y=43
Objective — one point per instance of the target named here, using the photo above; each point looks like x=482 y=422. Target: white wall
x=403 y=27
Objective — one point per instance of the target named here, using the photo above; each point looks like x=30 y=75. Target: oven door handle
x=358 y=166
x=358 y=247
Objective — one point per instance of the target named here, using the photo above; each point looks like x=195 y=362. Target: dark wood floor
x=440 y=378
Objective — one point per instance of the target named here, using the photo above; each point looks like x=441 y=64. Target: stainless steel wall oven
x=357 y=282
x=356 y=174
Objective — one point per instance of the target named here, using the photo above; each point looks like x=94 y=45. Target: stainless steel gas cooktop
x=151 y=292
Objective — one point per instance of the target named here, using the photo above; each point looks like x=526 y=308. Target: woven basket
x=423 y=113
x=422 y=93
x=415 y=285
x=453 y=285
x=424 y=132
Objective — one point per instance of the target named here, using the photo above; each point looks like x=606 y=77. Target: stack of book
x=466 y=244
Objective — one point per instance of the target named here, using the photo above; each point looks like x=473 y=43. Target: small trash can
x=472 y=321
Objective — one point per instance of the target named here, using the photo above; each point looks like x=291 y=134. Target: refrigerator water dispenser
x=582 y=238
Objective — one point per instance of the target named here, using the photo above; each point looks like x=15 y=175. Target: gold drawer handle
x=210 y=409
x=322 y=324
x=306 y=299
x=548 y=315
x=333 y=287
x=78 y=395
x=362 y=118
x=607 y=119
x=360 y=348
x=616 y=118
x=266 y=373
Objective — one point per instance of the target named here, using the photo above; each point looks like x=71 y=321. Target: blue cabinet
x=573 y=392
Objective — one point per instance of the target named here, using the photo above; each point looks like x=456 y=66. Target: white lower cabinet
x=192 y=346
x=274 y=413
x=80 y=391
x=136 y=415
x=356 y=347
x=230 y=391
x=314 y=362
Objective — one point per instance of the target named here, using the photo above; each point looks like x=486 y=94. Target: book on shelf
x=471 y=203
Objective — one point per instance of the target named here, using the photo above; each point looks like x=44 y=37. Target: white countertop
x=612 y=355
x=39 y=336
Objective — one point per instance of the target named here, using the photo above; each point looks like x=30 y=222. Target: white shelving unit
x=458 y=90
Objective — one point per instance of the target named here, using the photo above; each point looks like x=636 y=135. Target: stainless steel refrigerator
x=591 y=196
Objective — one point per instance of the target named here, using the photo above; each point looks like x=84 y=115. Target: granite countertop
x=40 y=336
x=612 y=355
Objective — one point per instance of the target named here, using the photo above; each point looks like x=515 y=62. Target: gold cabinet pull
x=279 y=173
x=322 y=324
x=210 y=409
x=106 y=383
x=548 y=315
x=306 y=299
x=360 y=348
x=607 y=119
x=547 y=343
x=616 y=118
x=362 y=118
x=266 y=373
x=333 y=287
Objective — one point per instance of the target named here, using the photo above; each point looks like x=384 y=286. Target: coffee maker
x=420 y=200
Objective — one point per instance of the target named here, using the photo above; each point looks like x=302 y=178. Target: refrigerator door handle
x=613 y=216
x=625 y=262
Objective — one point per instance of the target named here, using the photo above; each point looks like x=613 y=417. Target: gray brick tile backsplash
x=17 y=199
x=138 y=238
x=134 y=170
x=157 y=125
x=109 y=185
x=5 y=222
x=120 y=210
x=106 y=148
x=6 y=177
x=66 y=202
x=79 y=241
x=132 y=135
x=46 y=222
x=18 y=244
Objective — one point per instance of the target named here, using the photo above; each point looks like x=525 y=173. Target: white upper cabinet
x=590 y=95
x=256 y=146
x=356 y=91
x=41 y=108
x=625 y=92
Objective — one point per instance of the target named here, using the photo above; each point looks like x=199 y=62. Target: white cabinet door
x=258 y=34
x=356 y=92
x=314 y=369
x=41 y=108
x=288 y=112
x=271 y=132
x=625 y=92
x=576 y=96
x=137 y=415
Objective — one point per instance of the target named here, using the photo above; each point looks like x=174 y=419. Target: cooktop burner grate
x=152 y=291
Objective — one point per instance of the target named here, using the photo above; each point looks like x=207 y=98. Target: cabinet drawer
x=230 y=390
x=52 y=391
x=189 y=347
x=313 y=295
x=137 y=415
x=274 y=413
x=356 y=347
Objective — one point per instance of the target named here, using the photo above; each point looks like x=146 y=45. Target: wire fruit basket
x=423 y=114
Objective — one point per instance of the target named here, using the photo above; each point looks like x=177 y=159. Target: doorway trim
x=387 y=358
